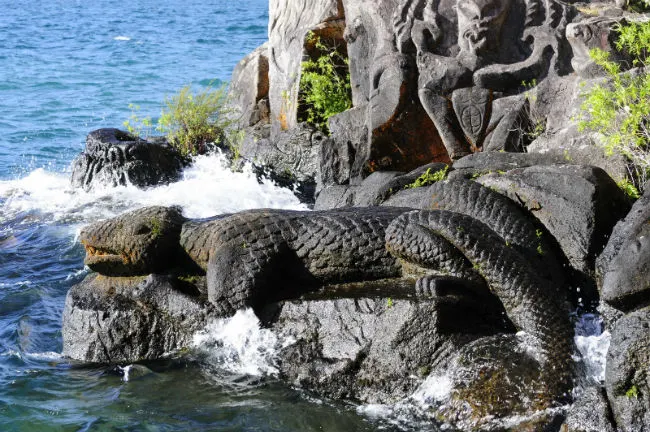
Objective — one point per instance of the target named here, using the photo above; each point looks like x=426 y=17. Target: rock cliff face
x=431 y=81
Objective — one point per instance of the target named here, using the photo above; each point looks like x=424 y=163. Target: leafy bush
x=324 y=84
x=619 y=109
x=193 y=121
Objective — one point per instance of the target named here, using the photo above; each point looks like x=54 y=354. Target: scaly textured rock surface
x=496 y=376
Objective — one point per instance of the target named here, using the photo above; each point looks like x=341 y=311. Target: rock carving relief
x=457 y=85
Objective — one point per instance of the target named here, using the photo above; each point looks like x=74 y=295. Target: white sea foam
x=207 y=188
x=18 y=283
x=434 y=389
x=592 y=344
x=48 y=356
x=239 y=345
x=126 y=370
x=122 y=38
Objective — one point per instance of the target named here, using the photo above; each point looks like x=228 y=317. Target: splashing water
x=592 y=344
x=207 y=188
x=239 y=345
x=415 y=411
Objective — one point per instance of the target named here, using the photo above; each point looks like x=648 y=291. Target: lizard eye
x=142 y=229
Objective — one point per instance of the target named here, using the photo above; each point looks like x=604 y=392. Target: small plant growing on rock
x=136 y=125
x=324 y=84
x=194 y=121
x=428 y=178
x=619 y=110
x=156 y=227
x=632 y=392
x=630 y=190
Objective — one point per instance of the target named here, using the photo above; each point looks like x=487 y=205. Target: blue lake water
x=68 y=67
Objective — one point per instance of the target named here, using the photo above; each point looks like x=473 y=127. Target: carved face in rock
x=479 y=25
x=136 y=243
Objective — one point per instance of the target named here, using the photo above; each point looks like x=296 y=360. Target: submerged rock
x=113 y=157
x=124 y=320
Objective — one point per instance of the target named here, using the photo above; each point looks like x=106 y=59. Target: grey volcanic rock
x=295 y=152
x=626 y=376
x=624 y=266
x=374 y=189
x=377 y=346
x=578 y=205
x=249 y=88
x=556 y=105
x=349 y=133
x=590 y=413
x=114 y=320
x=591 y=33
x=368 y=193
x=478 y=164
x=113 y=157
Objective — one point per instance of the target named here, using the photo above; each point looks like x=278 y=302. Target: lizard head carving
x=135 y=243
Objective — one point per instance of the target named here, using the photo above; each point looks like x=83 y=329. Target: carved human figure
x=457 y=90
x=479 y=30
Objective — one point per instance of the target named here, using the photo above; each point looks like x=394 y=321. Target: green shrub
x=136 y=125
x=193 y=121
x=428 y=178
x=619 y=109
x=324 y=84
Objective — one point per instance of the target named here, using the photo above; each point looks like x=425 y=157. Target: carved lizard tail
x=530 y=305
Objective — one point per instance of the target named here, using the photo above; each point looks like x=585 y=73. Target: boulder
x=374 y=343
x=623 y=268
x=249 y=88
x=590 y=413
x=556 y=105
x=124 y=320
x=116 y=158
x=626 y=375
x=373 y=190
